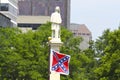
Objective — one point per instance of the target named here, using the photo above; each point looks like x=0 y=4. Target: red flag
x=60 y=63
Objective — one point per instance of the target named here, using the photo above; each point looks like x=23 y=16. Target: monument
x=55 y=41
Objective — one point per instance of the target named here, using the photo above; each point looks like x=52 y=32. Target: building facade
x=82 y=31
x=10 y=9
x=32 y=22
x=5 y=21
x=45 y=8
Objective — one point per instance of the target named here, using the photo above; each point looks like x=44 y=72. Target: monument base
x=55 y=40
x=54 y=76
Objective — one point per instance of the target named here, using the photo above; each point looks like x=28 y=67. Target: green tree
x=108 y=48
x=8 y=57
x=22 y=55
x=82 y=63
x=25 y=56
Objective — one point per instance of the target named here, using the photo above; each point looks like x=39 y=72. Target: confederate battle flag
x=60 y=62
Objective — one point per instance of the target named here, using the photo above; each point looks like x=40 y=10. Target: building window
x=79 y=33
x=20 y=0
x=4 y=21
x=88 y=34
x=83 y=33
x=74 y=34
x=4 y=7
x=33 y=26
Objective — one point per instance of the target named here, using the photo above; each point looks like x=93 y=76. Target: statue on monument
x=56 y=17
x=56 y=21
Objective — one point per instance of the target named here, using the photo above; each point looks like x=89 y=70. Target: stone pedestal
x=54 y=46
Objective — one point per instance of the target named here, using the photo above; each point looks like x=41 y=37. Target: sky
x=97 y=15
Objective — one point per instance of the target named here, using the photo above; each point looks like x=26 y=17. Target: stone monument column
x=55 y=41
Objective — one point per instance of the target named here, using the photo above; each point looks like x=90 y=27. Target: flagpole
x=55 y=40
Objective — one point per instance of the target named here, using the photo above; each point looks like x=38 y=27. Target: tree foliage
x=25 y=56
x=108 y=47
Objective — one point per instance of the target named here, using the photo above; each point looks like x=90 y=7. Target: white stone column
x=54 y=75
x=55 y=41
